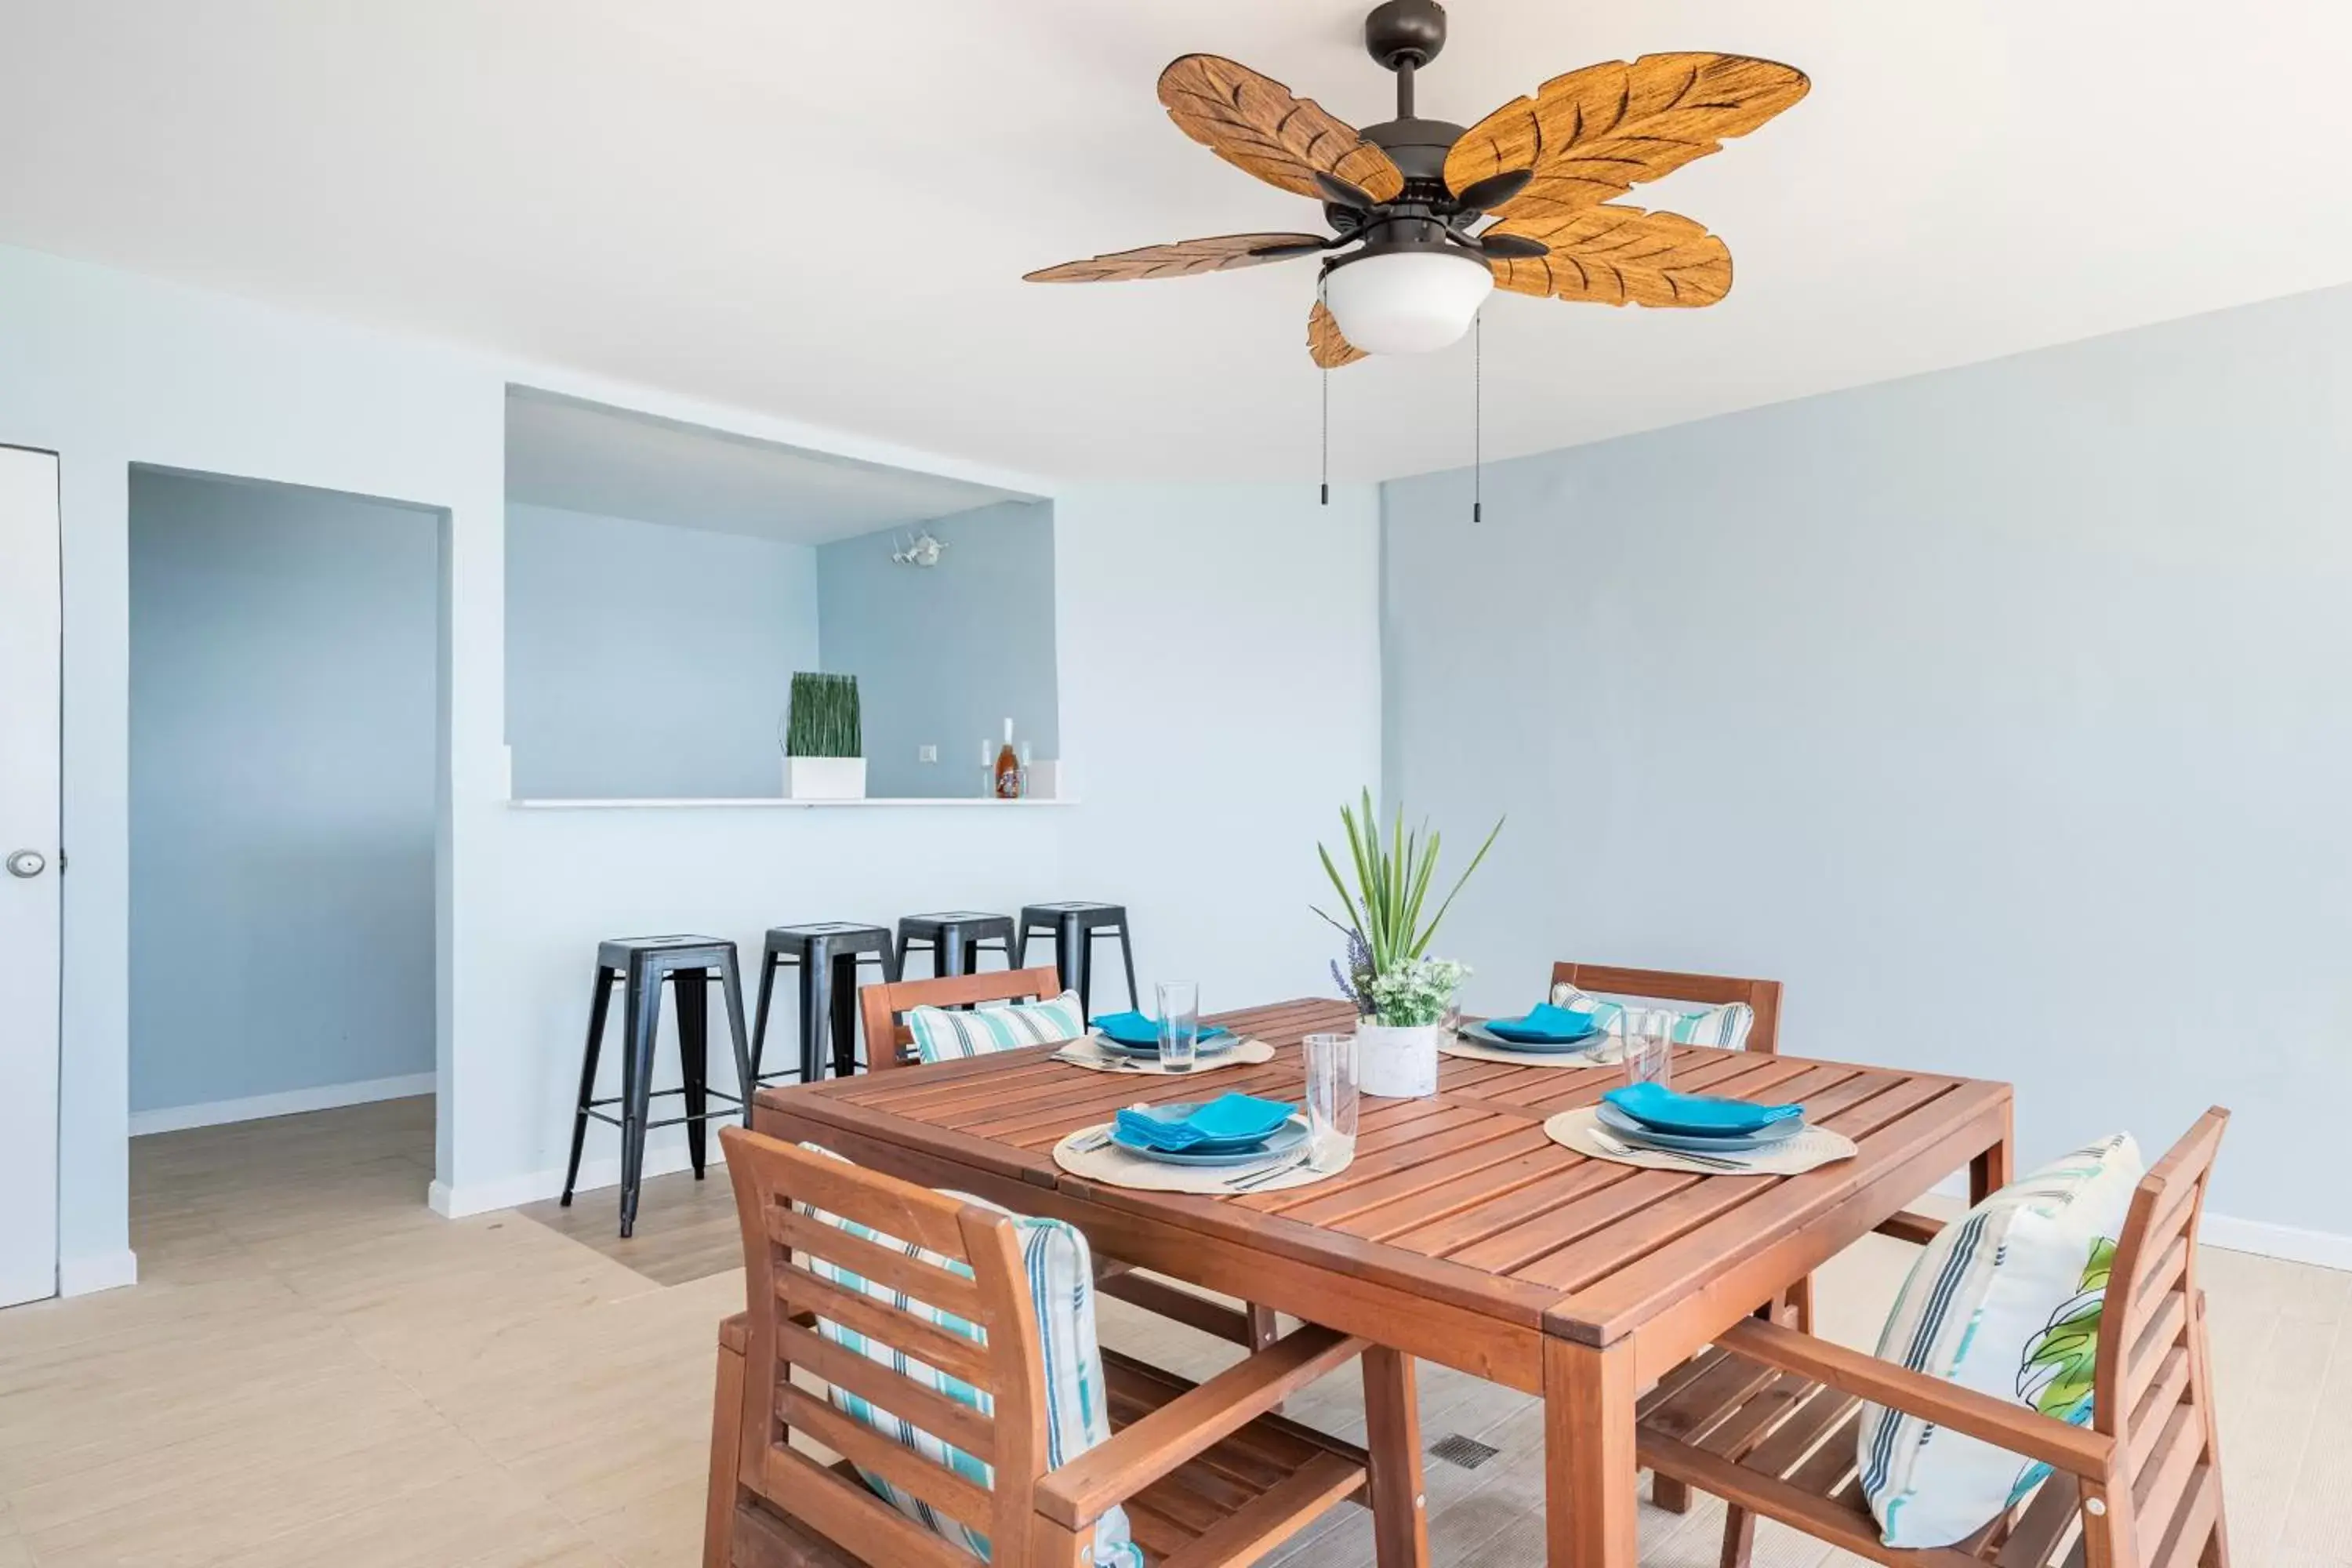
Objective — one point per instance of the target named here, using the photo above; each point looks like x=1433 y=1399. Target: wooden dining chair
x=884 y=1009
x=1767 y=1418
x=1202 y=1474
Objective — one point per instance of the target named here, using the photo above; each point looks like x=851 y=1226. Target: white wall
x=283 y=745
x=109 y=369
x=944 y=654
x=2003 y=713
x=645 y=659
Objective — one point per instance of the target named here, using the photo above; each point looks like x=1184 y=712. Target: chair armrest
x=1109 y=1473
x=2013 y=1427
x=1916 y=1229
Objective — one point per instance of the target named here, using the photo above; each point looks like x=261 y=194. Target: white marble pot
x=824 y=778
x=1396 y=1064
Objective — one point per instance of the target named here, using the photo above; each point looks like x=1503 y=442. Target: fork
x=1615 y=1147
x=1290 y=1163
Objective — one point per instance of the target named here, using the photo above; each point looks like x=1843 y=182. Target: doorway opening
x=288 y=715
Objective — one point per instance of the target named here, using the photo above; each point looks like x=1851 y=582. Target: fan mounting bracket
x=1401 y=33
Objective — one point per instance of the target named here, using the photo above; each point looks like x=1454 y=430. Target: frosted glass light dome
x=1407 y=301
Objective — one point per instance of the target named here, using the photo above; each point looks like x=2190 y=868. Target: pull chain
x=1477 y=416
x=1320 y=300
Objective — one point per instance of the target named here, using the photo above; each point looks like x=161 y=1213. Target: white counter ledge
x=775 y=801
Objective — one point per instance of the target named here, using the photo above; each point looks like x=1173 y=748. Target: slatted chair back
x=781 y=1241
x=883 y=1008
x=1762 y=996
x=2153 y=1380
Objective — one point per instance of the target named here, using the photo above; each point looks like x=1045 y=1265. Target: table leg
x=1592 y=1510
x=1392 y=1434
x=1994 y=1169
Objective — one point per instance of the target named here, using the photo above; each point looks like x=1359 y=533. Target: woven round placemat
x=1094 y=1059
x=1814 y=1147
x=1114 y=1165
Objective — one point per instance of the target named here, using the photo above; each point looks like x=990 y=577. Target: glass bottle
x=1008 y=768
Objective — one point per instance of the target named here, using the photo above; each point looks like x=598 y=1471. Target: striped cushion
x=946 y=1034
x=2006 y=1301
x=1077 y=1415
x=1725 y=1027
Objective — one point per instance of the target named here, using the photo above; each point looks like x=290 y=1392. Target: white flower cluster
x=1418 y=993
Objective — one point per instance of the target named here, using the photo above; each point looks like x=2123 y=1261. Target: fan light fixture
x=1407 y=301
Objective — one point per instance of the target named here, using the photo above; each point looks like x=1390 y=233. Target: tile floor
x=315 y=1369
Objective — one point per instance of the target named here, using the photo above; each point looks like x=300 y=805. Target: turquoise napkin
x=1698 y=1115
x=1229 y=1119
x=1132 y=1028
x=1546 y=1025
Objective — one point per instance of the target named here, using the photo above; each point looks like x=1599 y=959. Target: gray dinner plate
x=1486 y=1036
x=1206 y=1046
x=1634 y=1131
x=1283 y=1140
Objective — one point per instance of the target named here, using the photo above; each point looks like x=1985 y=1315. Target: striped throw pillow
x=1060 y=1271
x=1725 y=1027
x=2006 y=1301
x=949 y=1034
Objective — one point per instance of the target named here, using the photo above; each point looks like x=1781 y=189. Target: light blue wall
x=644 y=659
x=944 y=654
x=283 y=732
x=2005 y=713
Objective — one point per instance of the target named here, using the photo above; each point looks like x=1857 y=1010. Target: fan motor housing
x=1417 y=147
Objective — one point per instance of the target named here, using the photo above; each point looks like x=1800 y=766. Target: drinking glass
x=1331 y=1094
x=1648 y=1034
x=1179 y=1023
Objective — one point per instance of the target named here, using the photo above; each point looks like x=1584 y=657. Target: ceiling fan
x=1404 y=270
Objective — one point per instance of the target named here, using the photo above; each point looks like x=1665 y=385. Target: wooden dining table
x=1461 y=1233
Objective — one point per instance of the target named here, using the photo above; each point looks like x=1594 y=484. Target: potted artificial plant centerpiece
x=1402 y=995
x=823 y=745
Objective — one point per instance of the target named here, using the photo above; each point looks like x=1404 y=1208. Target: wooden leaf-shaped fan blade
x=1323 y=340
x=1617 y=256
x=1254 y=122
x=1595 y=133
x=1181 y=259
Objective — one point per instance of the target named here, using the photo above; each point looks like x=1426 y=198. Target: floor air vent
x=1467 y=1452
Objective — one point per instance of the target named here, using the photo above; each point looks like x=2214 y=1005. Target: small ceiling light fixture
x=921 y=550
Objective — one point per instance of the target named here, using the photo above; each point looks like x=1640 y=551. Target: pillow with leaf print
x=2007 y=1301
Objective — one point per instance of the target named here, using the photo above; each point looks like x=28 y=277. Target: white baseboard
x=2289 y=1243
x=106 y=1271
x=326 y=1097
x=2322 y=1248
x=469 y=1198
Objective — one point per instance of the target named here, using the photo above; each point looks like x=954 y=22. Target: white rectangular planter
x=824 y=778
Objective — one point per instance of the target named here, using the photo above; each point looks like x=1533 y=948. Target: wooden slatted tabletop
x=1461 y=1233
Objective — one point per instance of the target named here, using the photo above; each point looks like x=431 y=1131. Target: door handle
x=27 y=863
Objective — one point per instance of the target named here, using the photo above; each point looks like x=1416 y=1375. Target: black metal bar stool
x=646 y=962
x=1074 y=924
x=955 y=939
x=827 y=956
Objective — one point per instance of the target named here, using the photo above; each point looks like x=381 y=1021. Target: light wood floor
x=315 y=1370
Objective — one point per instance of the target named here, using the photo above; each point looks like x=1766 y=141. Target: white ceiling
x=585 y=457
x=823 y=210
